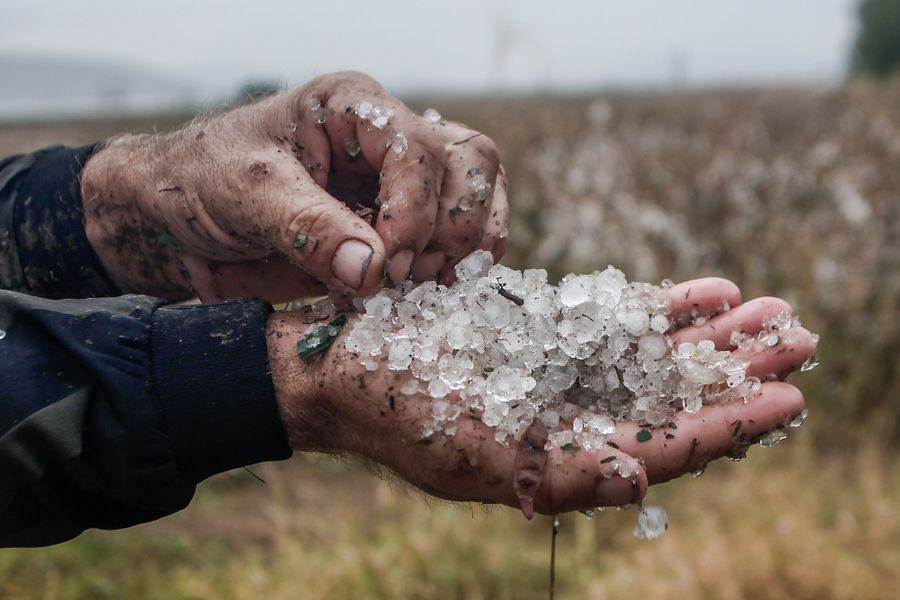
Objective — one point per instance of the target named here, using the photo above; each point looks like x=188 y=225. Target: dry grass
x=784 y=524
x=789 y=192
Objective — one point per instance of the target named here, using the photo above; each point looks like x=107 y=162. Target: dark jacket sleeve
x=43 y=248
x=111 y=409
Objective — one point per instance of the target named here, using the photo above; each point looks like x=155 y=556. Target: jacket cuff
x=210 y=369
x=54 y=254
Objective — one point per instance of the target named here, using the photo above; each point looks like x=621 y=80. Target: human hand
x=334 y=404
x=276 y=200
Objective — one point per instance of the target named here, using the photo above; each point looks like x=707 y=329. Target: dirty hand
x=333 y=404
x=322 y=188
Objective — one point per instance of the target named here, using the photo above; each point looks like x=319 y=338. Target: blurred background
x=755 y=141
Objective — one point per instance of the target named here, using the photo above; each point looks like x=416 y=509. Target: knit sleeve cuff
x=211 y=375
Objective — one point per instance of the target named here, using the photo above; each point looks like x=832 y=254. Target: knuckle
x=310 y=219
x=488 y=149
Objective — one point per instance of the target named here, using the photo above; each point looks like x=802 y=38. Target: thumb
x=325 y=238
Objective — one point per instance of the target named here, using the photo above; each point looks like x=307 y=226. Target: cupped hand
x=334 y=404
x=327 y=187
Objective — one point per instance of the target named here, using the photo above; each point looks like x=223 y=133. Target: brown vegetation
x=793 y=193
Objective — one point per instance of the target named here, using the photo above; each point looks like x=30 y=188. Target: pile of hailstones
x=511 y=348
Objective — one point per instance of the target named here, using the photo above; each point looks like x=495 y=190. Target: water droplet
x=589 y=513
x=2 y=333
x=697 y=472
x=431 y=115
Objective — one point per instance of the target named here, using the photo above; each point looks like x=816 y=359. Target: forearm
x=112 y=410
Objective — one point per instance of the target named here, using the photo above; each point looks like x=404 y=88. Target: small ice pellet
x=432 y=116
x=653 y=521
x=659 y=323
x=508 y=347
x=809 y=364
x=478 y=184
x=398 y=143
x=773 y=437
x=364 y=109
x=351 y=145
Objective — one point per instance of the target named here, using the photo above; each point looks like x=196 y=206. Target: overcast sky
x=464 y=45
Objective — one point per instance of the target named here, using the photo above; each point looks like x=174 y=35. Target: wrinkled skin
x=334 y=404
x=268 y=201
x=259 y=201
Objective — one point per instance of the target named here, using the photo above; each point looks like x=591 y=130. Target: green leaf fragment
x=570 y=447
x=300 y=241
x=320 y=337
x=424 y=441
x=644 y=435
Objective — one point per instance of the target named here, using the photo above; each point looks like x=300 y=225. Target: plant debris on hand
x=320 y=337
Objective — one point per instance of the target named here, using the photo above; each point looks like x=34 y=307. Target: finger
x=586 y=479
x=307 y=140
x=409 y=201
x=317 y=232
x=346 y=151
x=273 y=278
x=712 y=432
x=702 y=298
x=746 y=319
x=779 y=353
x=572 y=479
x=428 y=265
x=393 y=142
x=494 y=236
x=496 y=225
x=466 y=195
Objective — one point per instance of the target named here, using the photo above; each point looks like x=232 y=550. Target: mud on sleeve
x=43 y=248
x=113 y=409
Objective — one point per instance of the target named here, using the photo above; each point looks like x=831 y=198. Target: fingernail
x=351 y=261
x=398 y=267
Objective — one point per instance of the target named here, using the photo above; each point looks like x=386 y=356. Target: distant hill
x=47 y=85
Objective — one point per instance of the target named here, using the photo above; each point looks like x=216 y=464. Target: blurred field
x=793 y=193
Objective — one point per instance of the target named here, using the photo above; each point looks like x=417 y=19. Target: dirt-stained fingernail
x=399 y=265
x=351 y=261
